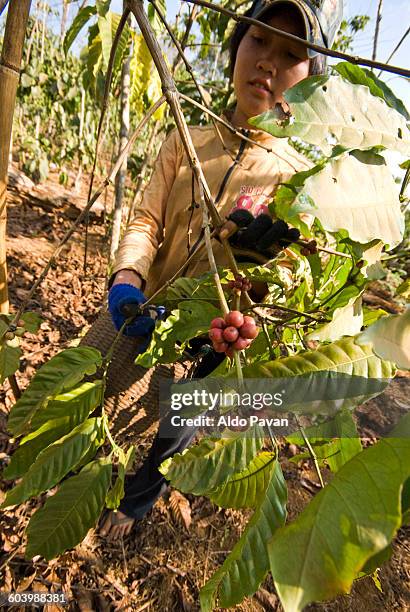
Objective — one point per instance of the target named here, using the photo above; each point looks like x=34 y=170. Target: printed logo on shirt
x=252 y=198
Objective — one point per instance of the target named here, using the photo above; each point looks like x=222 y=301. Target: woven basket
x=132 y=392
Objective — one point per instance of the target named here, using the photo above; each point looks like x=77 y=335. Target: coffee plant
x=313 y=328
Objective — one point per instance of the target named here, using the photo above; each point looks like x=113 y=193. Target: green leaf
x=209 y=464
x=116 y=493
x=9 y=358
x=65 y=412
x=346 y=321
x=243 y=490
x=59 y=374
x=190 y=288
x=367 y=209
x=248 y=563
x=190 y=320
x=27 y=453
x=32 y=321
x=105 y=30
x=336 y=375
x=79 y=22
x=348 y=522
x=76 y=403
x=54 y=462
x=328 y=110
x=362 y=76
x=67 y=516
x=390 y=338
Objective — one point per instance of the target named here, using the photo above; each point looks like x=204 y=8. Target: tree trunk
x=121 y=176
x=10 y=62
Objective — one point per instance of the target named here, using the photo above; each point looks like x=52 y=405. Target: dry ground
x=161 y=565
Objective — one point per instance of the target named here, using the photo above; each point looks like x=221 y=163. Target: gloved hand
x=261 y=233
x=120 y=297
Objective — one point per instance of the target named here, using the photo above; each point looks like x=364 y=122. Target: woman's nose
x=266 y=65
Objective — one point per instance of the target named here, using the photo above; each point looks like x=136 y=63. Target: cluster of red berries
x=241 y=283
x=310 y=248
x=233 y=333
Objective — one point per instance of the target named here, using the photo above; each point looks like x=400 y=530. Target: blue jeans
x=148 y=484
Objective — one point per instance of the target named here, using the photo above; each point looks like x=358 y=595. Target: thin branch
x=396 y=48
x=107 y=181
x=285 y=309
x=353 y=59
x=377 y=29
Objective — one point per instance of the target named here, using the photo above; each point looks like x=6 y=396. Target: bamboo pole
x=10 y=61
x=377 y=29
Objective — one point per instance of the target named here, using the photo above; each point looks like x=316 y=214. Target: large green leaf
x=326 y=111
x=76 y=403
x=346 y=321
x=363 y=76
x=27 y=453
x=248 y=563
x=190 y=320
x=65 y=412
x=78 y=23
x=209 y=464
x=10 y=354
x=351 y=520
x=336 y=375
x=54 y=462
x=390 y=338
x=59 y=374
x=66 y=517
x=244 y=490
x=368 y=208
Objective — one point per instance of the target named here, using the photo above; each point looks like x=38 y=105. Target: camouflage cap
x=322 y=18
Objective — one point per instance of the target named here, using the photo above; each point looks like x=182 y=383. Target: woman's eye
x=257 y=39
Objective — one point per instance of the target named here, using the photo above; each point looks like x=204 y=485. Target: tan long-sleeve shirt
x=166 y=225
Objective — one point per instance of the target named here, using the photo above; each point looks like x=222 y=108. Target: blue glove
x=121 y=295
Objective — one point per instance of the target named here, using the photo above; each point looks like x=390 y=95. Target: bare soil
x=162 y=565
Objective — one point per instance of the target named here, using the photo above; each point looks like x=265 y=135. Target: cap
x=322 y=18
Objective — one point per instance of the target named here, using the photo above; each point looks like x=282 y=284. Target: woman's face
x=266 y=65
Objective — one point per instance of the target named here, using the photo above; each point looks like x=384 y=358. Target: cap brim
x=313 y=32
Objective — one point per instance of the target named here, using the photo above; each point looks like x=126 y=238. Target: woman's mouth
x=261 y=88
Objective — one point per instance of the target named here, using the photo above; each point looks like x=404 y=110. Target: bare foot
x=116 y=524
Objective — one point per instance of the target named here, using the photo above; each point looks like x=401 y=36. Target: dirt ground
x=162 y=565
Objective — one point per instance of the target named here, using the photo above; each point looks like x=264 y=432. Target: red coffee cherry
x=234 y=318
x=220 y=347
x=216 y=334
x=230 y=334
x=241 y=344
x=218 y=323
x=249 y=331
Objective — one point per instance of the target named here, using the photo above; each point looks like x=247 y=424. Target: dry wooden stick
x=353 y=59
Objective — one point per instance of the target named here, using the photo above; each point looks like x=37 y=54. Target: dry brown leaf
x=180 y=509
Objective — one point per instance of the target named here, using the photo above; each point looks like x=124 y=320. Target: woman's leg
x=148 y=484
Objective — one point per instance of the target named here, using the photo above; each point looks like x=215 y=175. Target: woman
x=168 y=224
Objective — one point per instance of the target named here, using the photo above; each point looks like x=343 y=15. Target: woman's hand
x=259 y=234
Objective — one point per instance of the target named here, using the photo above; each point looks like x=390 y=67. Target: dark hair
x=318 y=64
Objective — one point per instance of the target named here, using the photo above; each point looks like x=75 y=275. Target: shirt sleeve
x=145 y=233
